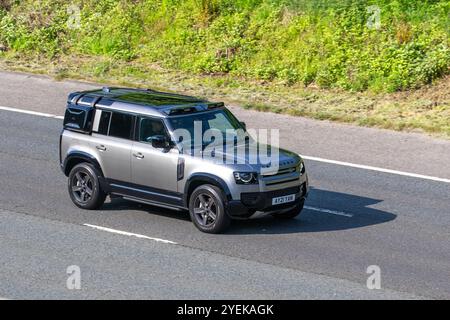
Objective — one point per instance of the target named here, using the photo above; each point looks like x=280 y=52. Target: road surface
x=355 y=218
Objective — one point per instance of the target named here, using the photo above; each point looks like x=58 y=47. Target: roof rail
x=184 y=109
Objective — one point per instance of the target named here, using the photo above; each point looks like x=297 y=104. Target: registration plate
x=283 y=199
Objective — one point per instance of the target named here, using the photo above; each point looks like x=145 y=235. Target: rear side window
x=78 y=118
x=103 y=124
x=121 y=125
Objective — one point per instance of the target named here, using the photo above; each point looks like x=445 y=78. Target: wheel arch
x=199 y=179
x=77 y=157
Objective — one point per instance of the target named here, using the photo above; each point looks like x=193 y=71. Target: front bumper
x=252 y=202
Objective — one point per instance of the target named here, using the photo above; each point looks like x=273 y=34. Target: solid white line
x=340 y=163
x=360 y=166
x=129 y=234
x=34 y=113
x=337 y=213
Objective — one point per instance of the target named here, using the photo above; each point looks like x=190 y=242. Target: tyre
x=207 y=209
x=84 y=187
x=292 y=213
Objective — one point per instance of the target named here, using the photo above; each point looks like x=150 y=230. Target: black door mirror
x=160 y=141
x=243 y=125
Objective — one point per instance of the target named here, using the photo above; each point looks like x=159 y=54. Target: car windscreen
x=221 y=120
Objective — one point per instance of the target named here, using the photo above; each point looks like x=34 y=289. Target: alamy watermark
x=374 y=280
x=74 y=279
x=74 y=20
x=374 y=20
x=232 y=146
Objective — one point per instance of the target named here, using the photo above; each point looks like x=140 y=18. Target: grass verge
x=425 y=110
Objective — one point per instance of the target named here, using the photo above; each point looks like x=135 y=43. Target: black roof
x=167 y=103
x=143 y=96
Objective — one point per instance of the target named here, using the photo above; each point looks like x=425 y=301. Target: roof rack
x=135 y=99
x=178 y=110
x=107 y=89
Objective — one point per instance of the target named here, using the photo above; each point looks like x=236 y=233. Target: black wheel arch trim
x=86 y=157
x=82 y=156
x=205 y=178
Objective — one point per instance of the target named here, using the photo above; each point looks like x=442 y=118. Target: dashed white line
x=360 y=166
x=129 y=234
x=340 y=163
x=337 y=213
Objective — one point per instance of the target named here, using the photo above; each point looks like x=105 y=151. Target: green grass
x=423 y=110
x=311 y=58
x=310 y=42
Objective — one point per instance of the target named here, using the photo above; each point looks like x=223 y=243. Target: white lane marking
x=340 y=163
x=129 y=234
x=361 y=166
x=337 y=213
x=34 y=113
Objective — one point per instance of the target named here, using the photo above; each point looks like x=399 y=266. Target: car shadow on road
x=358 y=207
x=119 y=204
x=313 y=220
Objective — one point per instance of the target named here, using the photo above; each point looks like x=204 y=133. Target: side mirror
x=243 y=125
x=160 y=142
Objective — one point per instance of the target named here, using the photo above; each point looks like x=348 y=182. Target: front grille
x=282 y=171
x=280 y=181
x=282 y=192
x=250 y=199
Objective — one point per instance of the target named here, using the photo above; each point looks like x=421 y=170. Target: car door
x=154 y=170
x=112 y=143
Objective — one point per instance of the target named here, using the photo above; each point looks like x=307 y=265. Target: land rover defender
x=140 y=145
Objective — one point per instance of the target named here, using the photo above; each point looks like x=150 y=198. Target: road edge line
x=311 y=158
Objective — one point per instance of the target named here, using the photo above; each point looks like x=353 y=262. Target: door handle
x=101 y=148
x=138 y=155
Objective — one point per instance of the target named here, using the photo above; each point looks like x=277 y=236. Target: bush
x=329 y=43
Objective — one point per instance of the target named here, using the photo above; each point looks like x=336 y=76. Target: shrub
x=329 y=43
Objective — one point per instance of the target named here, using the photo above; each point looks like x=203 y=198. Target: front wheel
x=207 y=209
x=292 y=213
x=84 y=187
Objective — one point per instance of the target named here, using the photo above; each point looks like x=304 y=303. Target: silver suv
x=144 y=146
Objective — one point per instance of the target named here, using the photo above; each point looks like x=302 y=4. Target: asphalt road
x=398 y=223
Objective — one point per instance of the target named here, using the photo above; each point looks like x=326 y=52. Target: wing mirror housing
x=161 y=142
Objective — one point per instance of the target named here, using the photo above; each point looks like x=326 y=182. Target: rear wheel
x=207 y=209
x=292 y=213
x=84 y=187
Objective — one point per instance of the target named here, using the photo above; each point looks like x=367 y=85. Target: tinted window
x=103 y=125
x=221 y=120
x=121 y=125
x=78 y=118
x=149 y=128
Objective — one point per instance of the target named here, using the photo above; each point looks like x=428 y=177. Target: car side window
x=103 y=125
x=121 y=125
x=149 y=128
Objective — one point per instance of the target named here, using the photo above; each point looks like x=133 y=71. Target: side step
x=152 y=203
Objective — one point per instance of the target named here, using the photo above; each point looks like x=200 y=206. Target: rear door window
x=103 y=124
x=121 y=125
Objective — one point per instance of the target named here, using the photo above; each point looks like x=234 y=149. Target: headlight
x=301 y=168
x=246 y=177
